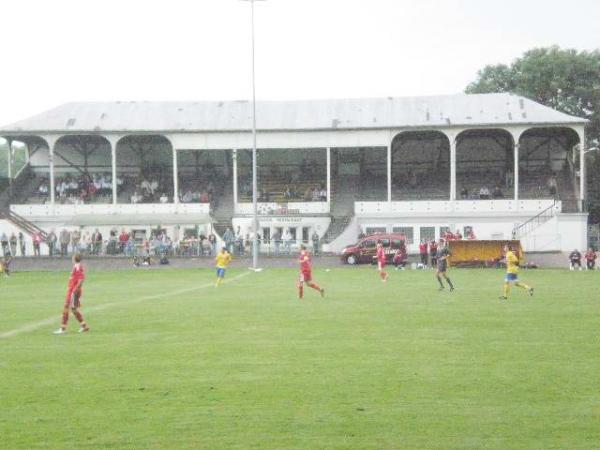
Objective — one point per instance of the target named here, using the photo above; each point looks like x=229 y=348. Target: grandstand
x=493 y=162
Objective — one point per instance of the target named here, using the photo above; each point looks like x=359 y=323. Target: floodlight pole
x=254 y=165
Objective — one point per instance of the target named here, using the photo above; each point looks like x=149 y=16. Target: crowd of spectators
x=83 y=188
x=197 y=191
x=149 y=187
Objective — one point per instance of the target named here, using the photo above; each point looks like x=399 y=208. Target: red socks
x=383 y=275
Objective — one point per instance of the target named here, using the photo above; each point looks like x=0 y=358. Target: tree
x=563 y=79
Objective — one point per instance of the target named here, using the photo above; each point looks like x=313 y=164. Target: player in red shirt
x=381 y=261
x=72 y=300
x=306 y=273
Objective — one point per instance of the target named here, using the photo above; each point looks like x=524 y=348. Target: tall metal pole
x=254 y=168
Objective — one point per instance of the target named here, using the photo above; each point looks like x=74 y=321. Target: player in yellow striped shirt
x=223 y=259
x=512 y=273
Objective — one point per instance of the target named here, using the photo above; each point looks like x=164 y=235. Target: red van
x=365 y=249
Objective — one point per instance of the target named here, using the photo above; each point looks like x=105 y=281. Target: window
x=406 y=231
x=396 y=244
x=368 y=244
x=427 y=233
x=375 y=230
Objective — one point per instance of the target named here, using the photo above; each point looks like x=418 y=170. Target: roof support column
x=582 y=186
x=9 y=159
x=516 y=170
x=113 y=165
x=328 y=158
x=51 y=145
x=235 y=177
x=175 y=177
x=389 y=174
x=452 y=140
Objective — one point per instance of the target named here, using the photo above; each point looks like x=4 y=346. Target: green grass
x=248 y=366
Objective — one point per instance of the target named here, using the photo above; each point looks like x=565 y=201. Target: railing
x=109 y=209
x=22 y=223
x=290 y=208
x=529 y=225
x=523 y=207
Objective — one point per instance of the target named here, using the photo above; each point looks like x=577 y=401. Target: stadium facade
x=498 y=164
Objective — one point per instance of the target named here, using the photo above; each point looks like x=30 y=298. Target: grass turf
x=172 y=362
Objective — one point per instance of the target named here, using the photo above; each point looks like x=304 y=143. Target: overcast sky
x=56 y=51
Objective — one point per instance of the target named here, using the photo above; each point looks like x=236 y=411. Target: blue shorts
x=220 y=273
x=511 y=277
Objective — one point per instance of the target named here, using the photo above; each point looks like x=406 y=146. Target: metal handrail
x=532 y=219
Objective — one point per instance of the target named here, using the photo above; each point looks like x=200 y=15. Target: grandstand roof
x=378 y=113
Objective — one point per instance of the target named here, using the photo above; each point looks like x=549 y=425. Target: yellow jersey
x=512 y=262
x=223 y=260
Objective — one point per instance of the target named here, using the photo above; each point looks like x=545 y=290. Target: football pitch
x=172 y=362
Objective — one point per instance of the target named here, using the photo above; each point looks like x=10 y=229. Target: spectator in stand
x=239 y=241
x=433 y=252
x=308 y=195
x=464 y=193
x=75 y=241
x=552 y=185
x=204 y=198
x=4 y=242
x=287 y=240
x=43 y=189
x=85 y=243
x=276 y=238
x=187 y=197
x=575 y=260
x=22 y=243
x=457 y=235
x=51 y=241
x=37 y=241
x=64 y=240
x=590 y=259
x=323 y=194
x=135 y=198
x=423 y=252
x=164 y=198
x=484 y=193
x=287 y=193
x=12 y=241
x=315 y=194
x=123 y=238
x=316 y=241
x=497 y=193
x=96 y=242
x=229 y=239
x=212 y=240
x=471 y=235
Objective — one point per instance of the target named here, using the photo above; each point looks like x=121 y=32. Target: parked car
x=365 y=249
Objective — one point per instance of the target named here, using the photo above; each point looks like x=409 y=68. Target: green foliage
x=564 y=79
x=248 y=366
x=19 y=158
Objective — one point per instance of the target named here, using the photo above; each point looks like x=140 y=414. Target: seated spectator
x=497 y=193
x=457 y=235
x=590 y=259
x=187 y=197
x=287 y=193
x=464 y=193
x=323 y=194
x=164 y=198
x=575 y=260
x=204 y=197
x=400 y=258
x=471 y=236
x=315 y=195
x=552 y=186
x=43 y=189
x=136 y=198
x=484 y=193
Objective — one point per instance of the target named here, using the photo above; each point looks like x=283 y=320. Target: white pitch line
x=42 y=323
